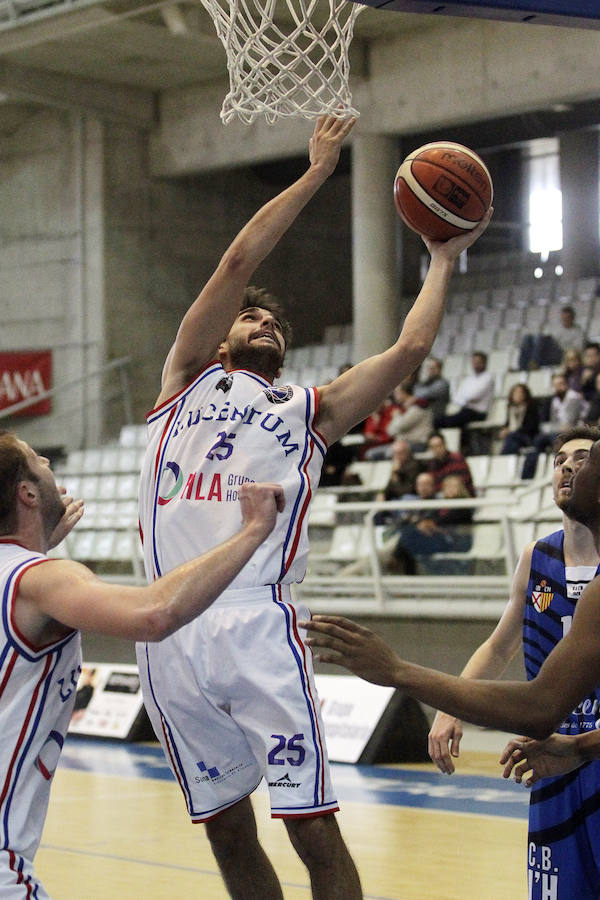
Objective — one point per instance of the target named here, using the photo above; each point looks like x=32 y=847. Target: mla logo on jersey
x=542 y=596
x=279 y=394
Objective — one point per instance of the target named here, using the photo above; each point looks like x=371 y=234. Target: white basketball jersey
x=222 y=430
x=37 y=693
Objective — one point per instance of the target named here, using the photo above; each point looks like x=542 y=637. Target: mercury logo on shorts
x=286 y=782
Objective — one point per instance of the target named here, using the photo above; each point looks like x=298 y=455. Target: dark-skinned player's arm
x=208 y=320
x=351 y=397
x=530 y=760
x=534 y=707
x=488 y=661
x=66 y=592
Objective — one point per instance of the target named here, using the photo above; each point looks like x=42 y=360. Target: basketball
x=442 y=190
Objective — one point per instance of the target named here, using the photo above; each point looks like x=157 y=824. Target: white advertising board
x=351 y=710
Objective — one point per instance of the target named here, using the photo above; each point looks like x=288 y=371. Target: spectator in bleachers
x=591 y=368
x=592 y=416
x=402 y=481
x=447 y=462
x=433 y=387
x=563 y=409
x=522 y=421
x=572 y=367
x=547 y=348
x=375 y=431
x=340 y=454
x=435 y=531
x=412 y=418
x=473 y=397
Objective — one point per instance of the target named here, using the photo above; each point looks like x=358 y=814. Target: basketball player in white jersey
x=233 y=699
x=44 y=603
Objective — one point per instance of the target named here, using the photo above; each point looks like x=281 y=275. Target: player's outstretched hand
x=341 y=641
x=260 y=504
x=71 y=516
x=443 y=741
x=455 y=246
x=326 y=142
x=528 y=760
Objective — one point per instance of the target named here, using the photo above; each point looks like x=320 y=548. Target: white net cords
x=288 y=67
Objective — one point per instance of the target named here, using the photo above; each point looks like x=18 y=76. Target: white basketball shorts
x=232 y=699
x=17 y=878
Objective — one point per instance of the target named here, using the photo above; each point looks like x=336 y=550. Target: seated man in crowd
x=447 y=462
x=411 y=420
x=566 y=408
x=441 y=530
x=548 y=347
x=473 y=397
x=432 y=387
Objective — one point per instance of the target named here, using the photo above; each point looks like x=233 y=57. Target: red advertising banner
x=25 y=374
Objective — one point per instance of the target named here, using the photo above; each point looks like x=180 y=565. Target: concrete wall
x=41 y=289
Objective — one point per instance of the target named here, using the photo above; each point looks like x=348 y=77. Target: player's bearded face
x=53 y=509
x=263 y=356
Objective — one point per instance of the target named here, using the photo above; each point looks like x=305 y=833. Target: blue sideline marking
x=476 y=794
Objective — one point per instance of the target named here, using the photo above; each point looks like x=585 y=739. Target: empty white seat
x=535 y=317
x=539 y=382
x=133 y=435
x=500 y=360
x=479 y=468
x=345 y=543
x=503 y=470
x=454 y=364
x=373 y=475
x=323 y=509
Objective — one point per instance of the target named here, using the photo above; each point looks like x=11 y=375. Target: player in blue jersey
x=232 y=697
x=44 y=603
x=536 y=707
x=549 y=578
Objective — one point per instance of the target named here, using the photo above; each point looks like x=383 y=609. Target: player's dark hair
x=14 y=468
x=577 y=432
x=254 y=296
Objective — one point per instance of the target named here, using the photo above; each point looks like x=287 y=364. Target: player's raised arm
x=355 y=394
x=68 y=593
x=208 y=320
x=534 y=707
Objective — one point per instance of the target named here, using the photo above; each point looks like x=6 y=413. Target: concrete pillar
x=374 y=265
x=91 y=210
x=579 y=174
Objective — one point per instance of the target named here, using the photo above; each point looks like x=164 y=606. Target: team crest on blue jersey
x=542 y=596
x=279 y=394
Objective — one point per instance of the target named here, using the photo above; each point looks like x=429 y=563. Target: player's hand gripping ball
x=442 y=190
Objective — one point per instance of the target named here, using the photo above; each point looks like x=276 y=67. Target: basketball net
x=288 y=68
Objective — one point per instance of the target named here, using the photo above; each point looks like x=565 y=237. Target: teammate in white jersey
x=232 y=696
x=44 y=603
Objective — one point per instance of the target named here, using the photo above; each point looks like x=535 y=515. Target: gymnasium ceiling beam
x=440 y=78
x=133 y=106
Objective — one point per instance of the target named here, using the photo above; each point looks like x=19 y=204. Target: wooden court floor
x=117 y=830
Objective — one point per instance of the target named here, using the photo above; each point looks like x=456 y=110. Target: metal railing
x=123 y=394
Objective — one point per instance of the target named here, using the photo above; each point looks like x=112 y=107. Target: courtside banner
x=108 y=702
x=25 y=374
x=351 y=710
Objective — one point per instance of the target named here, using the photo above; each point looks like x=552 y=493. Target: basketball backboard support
x=573 y=13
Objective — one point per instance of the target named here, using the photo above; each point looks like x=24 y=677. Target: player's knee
x=233 y=828
x=315 y=840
